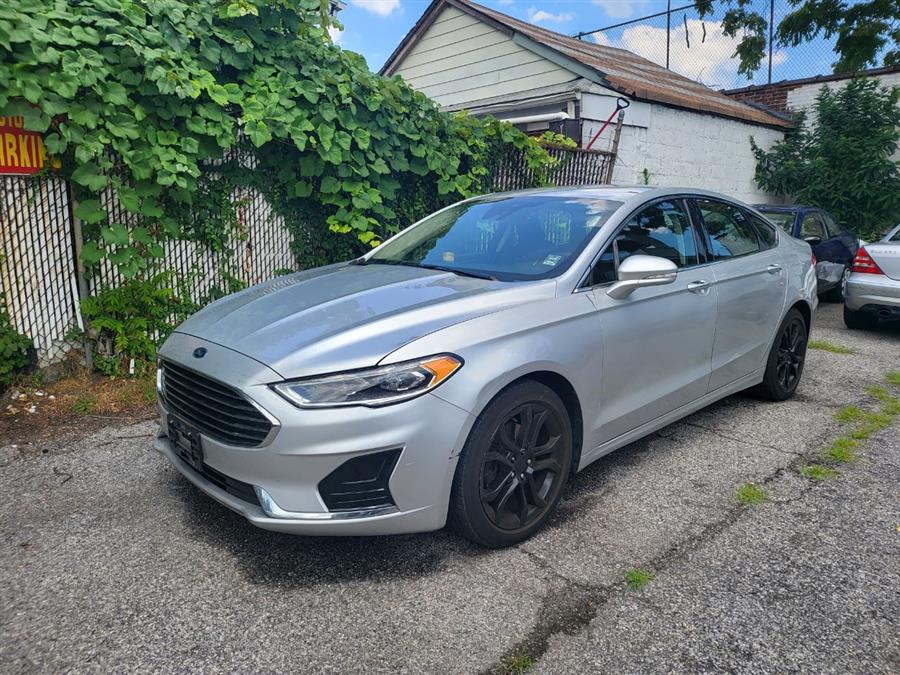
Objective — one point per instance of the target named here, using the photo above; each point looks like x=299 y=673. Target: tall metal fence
x=697 y=47
x=38 y=239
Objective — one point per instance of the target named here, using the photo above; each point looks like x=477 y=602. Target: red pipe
x=621 y=104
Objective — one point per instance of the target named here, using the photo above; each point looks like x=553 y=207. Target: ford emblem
x=200 y=352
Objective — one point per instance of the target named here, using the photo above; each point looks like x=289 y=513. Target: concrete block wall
x=683 y=148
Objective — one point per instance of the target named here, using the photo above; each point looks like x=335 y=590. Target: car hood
x=349 y=316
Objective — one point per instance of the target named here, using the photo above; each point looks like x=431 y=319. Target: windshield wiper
x=438 y=268
x=453 y=270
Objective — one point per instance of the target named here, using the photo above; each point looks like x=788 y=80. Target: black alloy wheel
x=784 y=366
x=522 y=466
x=514 y=465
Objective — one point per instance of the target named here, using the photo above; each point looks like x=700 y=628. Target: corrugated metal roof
x=621 y=70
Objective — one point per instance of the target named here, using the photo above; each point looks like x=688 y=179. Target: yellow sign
x=21 y=151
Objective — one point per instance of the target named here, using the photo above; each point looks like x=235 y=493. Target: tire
x=500 y=497
x=859 y=320
x=784 y=367
x=838 y=293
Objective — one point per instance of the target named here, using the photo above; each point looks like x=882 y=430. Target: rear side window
x=831 y=225
x=812 y=226
x=663 y=229
x=764 y=230
x=730 y=232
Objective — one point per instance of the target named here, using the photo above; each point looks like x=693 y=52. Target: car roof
x=616 y=192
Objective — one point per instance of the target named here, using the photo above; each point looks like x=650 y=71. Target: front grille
x=234 y=487
x=360 y=483
x=214 y=409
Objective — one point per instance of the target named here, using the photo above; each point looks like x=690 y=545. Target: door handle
x=774 y=269
x=701 y=286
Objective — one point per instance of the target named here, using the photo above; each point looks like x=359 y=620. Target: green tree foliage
x=163 y=88
x=841 y=159
x=866 y=32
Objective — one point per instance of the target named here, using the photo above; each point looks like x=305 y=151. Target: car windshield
x=514 y=238
x=783 y=219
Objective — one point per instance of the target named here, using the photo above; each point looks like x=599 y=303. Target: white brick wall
x=681 y=148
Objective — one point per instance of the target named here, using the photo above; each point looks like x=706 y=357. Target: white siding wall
x=462 y=60
x=681 y=148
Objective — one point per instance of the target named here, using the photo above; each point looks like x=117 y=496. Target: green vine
x=144 y=98
x=15 y=349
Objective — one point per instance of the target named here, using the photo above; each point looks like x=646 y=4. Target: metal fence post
x=771 y=34
x=81 y=280
x=668 y=29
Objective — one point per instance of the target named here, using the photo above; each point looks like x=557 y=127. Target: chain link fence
x=697 y=47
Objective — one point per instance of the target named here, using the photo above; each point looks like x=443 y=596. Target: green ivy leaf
x=116 y=234
x=90 y=211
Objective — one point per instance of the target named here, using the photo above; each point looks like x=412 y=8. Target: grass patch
x=638 y=578
x=830 y=347
x=818 y=472
x=842 y=450
x=879 y=392
x=871 y=423
x=84 y=405
x=750 y=494
x=850 y=413
x=516 y=664
x=893 y=378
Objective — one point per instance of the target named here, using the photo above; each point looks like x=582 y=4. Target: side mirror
x=638 y=271
x=813 y=241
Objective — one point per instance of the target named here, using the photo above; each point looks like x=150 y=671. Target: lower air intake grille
x=360 y=483
x=214 y=409
x=234 y=487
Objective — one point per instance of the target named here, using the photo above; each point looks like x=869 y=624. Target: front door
x=657 y=342
x=751 y=284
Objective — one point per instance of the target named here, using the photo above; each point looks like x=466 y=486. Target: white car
x=873 y=287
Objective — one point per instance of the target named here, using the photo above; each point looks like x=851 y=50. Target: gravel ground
x=111 y=561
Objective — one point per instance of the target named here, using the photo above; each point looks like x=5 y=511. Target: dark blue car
x=833 y=246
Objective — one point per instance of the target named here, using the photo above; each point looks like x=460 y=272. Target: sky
x=698 y=50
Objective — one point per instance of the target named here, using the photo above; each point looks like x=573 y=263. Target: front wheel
x=786 y=358
x=513 y=467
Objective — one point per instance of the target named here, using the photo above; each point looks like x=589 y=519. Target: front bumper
x=285 y=472
x=873 y=292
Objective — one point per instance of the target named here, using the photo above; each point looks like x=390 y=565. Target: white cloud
x=379 y=7
x=336 y=34
x=621 y=9
x=708 y=60
x=536 y=15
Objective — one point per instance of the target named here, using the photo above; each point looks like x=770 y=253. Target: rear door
x=657 y=342
x=831 y=255
x=751 y=288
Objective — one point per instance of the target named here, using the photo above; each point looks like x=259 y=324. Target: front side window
x=663 y=230
x=831 y=225
x=811 y=226
x=731 y=234
x=508 y=238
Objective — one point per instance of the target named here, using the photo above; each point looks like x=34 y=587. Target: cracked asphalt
x=126 y=567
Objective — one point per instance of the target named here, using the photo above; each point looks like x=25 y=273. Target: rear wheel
x=859 y=320
x=513 y=467
x=784 y=366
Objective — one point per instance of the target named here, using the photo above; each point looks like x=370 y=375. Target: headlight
x=371 y=387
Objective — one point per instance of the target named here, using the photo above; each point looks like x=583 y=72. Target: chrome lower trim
x=271 y=509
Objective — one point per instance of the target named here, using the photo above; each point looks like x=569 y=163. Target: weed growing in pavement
x=818 y=472
x=893 y=378
x=516 y=664
x=850 y=413
x=638 y=578
x=830 y=347
x=873 y=422
x=842 y=450
x=750 y=494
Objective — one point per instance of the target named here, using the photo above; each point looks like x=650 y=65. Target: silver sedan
x=873 y=287
x=466 y=368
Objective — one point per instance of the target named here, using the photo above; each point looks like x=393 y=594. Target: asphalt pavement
x=111 y=561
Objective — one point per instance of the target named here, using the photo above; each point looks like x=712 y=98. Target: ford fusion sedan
x=873 y=287
x=462 y=371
